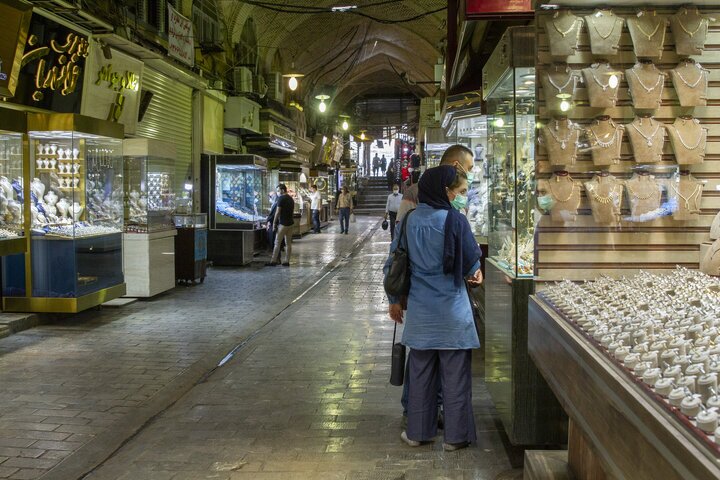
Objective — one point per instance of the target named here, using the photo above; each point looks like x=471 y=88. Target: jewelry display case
x=299 y=191
x=528 y=410
x=324 y=184
x=150 y=202
x=191 y=247
x=234 y=195
x=12 y=180
x=76 y=217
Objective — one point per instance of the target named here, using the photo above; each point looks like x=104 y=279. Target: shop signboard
x=13 y=35
x=112 y=86
x=180 y=37
x=52 y=67
x=497 y=8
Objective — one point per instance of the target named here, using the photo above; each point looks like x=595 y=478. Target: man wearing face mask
x=459 y=156
x=391 y=208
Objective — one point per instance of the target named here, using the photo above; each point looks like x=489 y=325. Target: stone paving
x=78 y=387
x=308 y=398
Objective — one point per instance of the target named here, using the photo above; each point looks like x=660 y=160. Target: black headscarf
x=461 y=251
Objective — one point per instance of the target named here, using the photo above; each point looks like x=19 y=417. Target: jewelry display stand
x=566 y=195
x=647 y=138
x=690 y=81
x=690 y=29
x=605 y=141
x=559 y=84
x=604 y=29
x=644 y=194
x=605 y=194
x=563 y=30
x=561 y=140
x=710 y=262
x=688 y=139
x=687 y=191
x=645 y=85
x=647 y=30
x=598 y=82
x=715 y=227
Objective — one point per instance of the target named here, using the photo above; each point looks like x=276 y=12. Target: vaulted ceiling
x=381 y=47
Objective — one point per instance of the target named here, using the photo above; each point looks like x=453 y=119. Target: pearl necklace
x=696 y=82
x=603 y=200
x=560 y=89
x=642 y=84
x=562 y=141
x=696 y=190
x=605 y=37
x=605 y=144
x=648 y=138
x=572 y=190
x=566 y=32
x=682 y=141
x=633 y=193
x=642 y=30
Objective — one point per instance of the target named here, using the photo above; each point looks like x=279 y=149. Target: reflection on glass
x=472 y=132
x=11 y=182
x=511 y=168
x=150 y=200
x=239 y=194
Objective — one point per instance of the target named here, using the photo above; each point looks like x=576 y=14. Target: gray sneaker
x=412 y=443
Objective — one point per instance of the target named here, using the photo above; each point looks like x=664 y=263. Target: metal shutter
x=169 y=118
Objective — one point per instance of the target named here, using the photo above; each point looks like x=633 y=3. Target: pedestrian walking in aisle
x=315 y=206
x=283 y=222
x=383 y=163
x=375 y=165
x=344 y=208
x=457 y=155
x=440 y=329
x=391 y=208
x=390 y=176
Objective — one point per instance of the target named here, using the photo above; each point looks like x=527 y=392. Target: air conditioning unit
x=243 y=79
x=275 y=86
x=259 y=85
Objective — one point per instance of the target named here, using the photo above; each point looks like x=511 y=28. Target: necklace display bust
x=647 y=138
x=690 y=80
x=605 y=141
x=605 y=195
x=602 y=89
x=559 y=81
x=715 y=228
x=604 y=29
x=561 y=138
x=644 y=194
x=687 y=192
x=645 y=85
x=689 y=29
x=710 y=264
x=565 y=193
x=563 y=31
x=688 y=139
x=647 y=30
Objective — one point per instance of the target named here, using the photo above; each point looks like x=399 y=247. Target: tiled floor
x=132 y=394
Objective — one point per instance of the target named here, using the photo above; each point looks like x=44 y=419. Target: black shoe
x=286 y=264
x=271 y=264
x=346 y=233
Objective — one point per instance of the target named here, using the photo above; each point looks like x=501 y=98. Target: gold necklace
x=572 y=190
x=691 y=34
x=642 y=197
x=642 y=30
x=566 y=32
x=604 y=37
x=687 y=199
x=602 y=199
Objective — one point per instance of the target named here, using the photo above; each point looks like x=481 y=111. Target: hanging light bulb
x=564 y=106
x=613 y=81
x=322 y=107
x=345 y=125
x=362 y=135
x=499 y=123
x=293 y=83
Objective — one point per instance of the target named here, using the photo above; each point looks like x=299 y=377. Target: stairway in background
x=373 y=197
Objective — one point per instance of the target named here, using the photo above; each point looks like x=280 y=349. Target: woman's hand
x=396 y=312
x=477 y=279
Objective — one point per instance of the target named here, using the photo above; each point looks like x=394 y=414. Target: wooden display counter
x=616 y=429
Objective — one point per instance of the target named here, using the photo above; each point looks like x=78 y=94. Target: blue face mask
x=459 y=202
x=545 y=202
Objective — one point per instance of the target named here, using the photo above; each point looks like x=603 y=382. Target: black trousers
x=393 y=219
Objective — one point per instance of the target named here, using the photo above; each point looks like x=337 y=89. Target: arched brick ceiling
x=340 y=49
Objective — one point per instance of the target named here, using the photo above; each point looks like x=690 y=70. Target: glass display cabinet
x=528 y=409
x=12 y=180
x=322 y=180
x=76 y=216
x=150 y=201
x=235 y=197
x=300 y=192
x=191 y=247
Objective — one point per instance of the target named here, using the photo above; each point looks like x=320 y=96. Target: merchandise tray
x=675 y=412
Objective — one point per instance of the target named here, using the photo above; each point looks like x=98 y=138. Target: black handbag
x=397 y=280
x=384 y=225
x=397 y=362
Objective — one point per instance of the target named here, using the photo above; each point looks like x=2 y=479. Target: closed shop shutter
x=169 y=118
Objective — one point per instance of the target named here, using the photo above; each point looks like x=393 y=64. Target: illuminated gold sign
x=16 y=17
x=59 y=72
x=118 y=82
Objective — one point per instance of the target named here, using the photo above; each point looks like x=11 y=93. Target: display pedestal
x=149 y=260
x=191 y=254
x=616 y=429
x=527 y=407
x=231 y=248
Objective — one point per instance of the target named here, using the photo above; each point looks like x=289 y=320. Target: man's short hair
x=314 y=185
x=455 y=153
x=282 y=187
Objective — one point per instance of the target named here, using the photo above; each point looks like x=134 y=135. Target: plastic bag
x=352 y=218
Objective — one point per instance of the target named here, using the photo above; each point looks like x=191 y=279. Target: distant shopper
x=390 y=175
x=391 y=208
x=440 y=330
x=315 y=206
x=458 y=155
x=283 y=222
x=345 y=208
x=383 y=163
x=375 y=165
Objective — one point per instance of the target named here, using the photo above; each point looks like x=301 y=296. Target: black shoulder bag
x=397 y=280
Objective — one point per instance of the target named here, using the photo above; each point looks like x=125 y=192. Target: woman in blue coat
x=439 y=327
